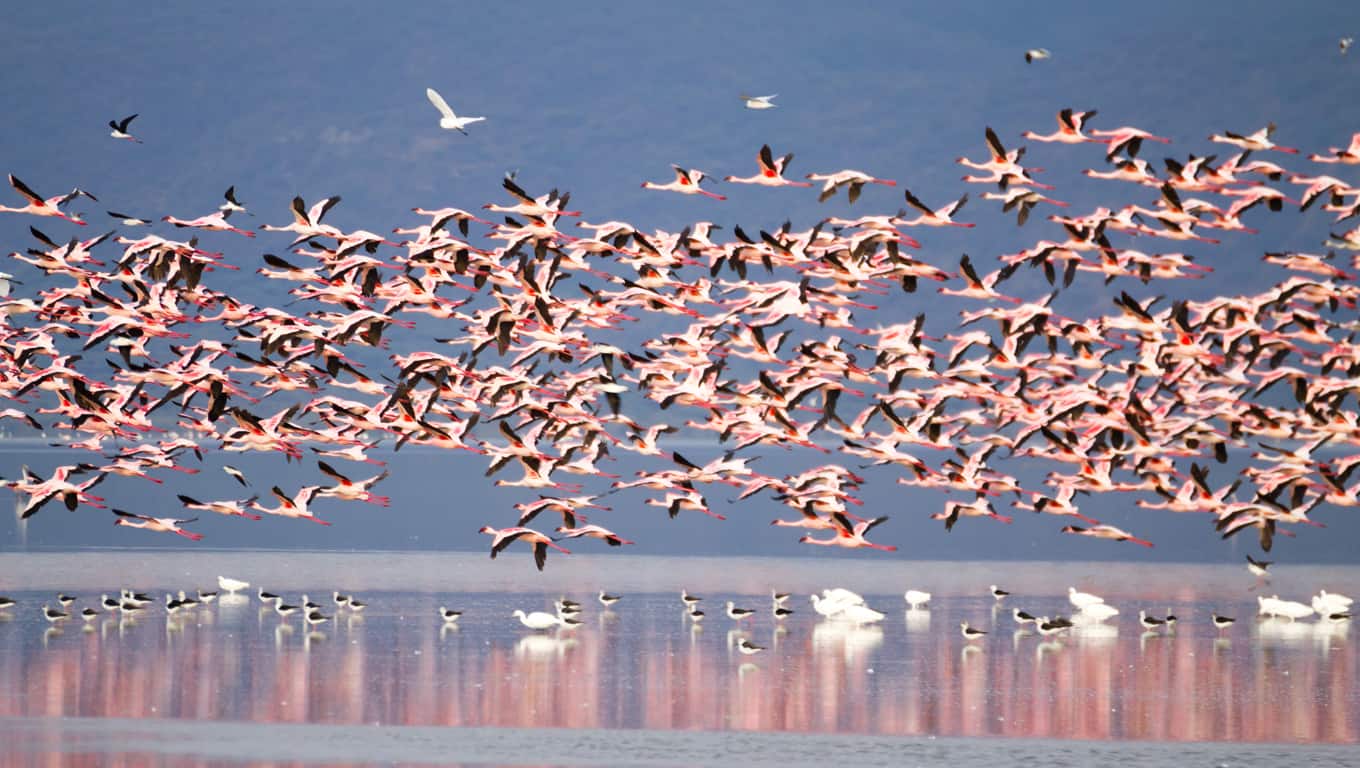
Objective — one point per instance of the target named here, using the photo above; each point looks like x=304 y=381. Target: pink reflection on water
x=646 y=668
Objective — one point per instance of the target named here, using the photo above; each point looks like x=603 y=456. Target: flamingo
x=1350 y=155
x=37 y=206
x=935 y=218
x=504 y=536
x=771 y=171
x=851 y=535
x=593 y=531
x=853 y=181
x=161 y=524
x=447 y=119
x=1069 y=128
x=215 y=222
x=686 y=183
x=307 y=222
x=1106 y=532
x=1255 y=141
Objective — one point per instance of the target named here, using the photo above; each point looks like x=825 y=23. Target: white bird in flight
x=449 y=121
x=759 y=102
x=1036 y=54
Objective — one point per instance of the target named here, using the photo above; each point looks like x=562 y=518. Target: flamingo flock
x=554 y=350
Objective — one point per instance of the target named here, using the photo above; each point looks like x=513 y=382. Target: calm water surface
x=643 y=669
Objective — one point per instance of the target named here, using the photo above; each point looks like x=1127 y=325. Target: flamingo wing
x=916 y=203
x=24 y=190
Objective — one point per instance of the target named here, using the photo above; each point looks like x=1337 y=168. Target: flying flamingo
x=161 y=524
x=771 y=171
x=594 y=531
x=1069 y=128
x=1106 y=532
x=213 y=222
x=504 y=536
x=935 y=218
x=686 y=183
x=853 y=181
x=37 y=205
x=851 y=536
x=1254 y=141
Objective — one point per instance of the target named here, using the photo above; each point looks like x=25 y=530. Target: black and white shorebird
x=607 y=599
x=969 y=633
x=205 y=596
x=1023 y=618
x=695 y=615
x=449 y=616
x=268 y=597
x=187 y=602
x=232 y=205
x=172 y=605
x=65 y=599
x=1149 y=622
x=1222 y=622
x=341 y=601
x=108 y=603
x=998 y=592
x=236 y=473
x=1170 y=619
x=737 y=614
x=54 y=614
x=689 y=600
x=120 y=129
x=749 y=648
x=356 y=605
x=316 y=617
x=1053 y=626
x=138 y=599
x=1258 y=568
x=128 y=220
x=285 y=610
x=89 y=614
x=1339 y=616
x=570 y=622
x=780 y=598
x=130 y=609
x=308 y=606
x=6 y=602
x=781 y=613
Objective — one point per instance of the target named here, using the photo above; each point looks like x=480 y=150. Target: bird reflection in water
x=645 y=669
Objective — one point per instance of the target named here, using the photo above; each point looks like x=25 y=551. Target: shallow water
x=643 y=673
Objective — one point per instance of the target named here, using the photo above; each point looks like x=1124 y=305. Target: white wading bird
x=449 y=121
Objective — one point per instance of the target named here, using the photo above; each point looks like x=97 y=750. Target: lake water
x=231 y=683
